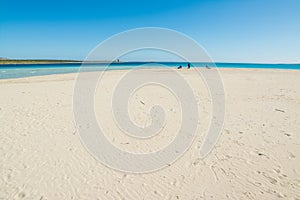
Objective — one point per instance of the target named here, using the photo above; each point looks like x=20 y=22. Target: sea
x=9 y=71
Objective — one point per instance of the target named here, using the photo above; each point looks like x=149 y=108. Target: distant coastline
x=7 y=61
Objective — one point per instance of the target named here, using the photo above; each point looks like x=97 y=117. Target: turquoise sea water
x=27 y=70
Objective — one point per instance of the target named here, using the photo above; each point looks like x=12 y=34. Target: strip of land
x=45 y=61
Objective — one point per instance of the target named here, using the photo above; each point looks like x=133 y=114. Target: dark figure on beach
x=189 y=65
x=180 y=67
x=207 y=67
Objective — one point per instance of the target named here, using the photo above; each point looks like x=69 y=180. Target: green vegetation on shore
x=34 y=61
x=5 y=61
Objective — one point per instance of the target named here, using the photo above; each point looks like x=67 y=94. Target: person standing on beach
x=189 y=65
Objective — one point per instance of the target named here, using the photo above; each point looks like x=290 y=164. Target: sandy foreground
x=257 y=155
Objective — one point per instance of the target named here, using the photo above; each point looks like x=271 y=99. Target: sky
x=255 y=31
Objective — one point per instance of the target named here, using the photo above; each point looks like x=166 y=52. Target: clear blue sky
x=230 y=30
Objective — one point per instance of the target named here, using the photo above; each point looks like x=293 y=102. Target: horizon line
x=128 y=61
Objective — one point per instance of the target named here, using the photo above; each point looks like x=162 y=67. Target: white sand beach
x=257 y=155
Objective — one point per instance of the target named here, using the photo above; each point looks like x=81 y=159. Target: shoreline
x=73 y=75
x=159 y=69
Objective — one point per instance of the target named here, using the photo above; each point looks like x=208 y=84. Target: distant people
x=180 y=67
x=189 y=65
x=207 y=67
